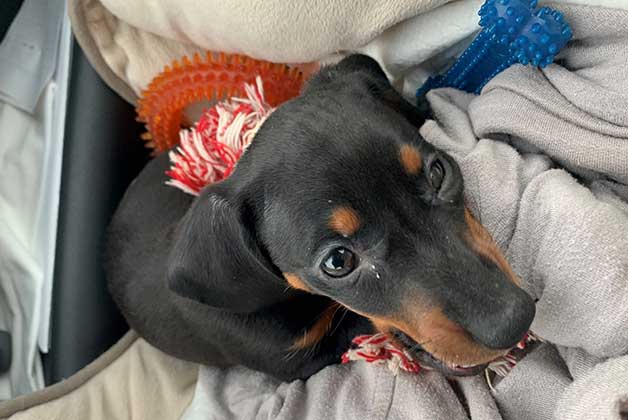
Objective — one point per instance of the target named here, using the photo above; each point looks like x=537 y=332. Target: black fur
x=202 y=280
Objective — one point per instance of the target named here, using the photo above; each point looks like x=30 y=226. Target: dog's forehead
x=332 y=165
x=334 y=144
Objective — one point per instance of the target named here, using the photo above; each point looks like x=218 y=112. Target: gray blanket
x=545 y=160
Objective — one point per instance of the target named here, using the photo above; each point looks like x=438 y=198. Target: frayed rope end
x=208 y=152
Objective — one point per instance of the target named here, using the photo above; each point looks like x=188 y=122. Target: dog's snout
x=503 y=327
x=491 y=307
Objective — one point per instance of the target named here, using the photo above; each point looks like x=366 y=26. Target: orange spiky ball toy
x=210 y=78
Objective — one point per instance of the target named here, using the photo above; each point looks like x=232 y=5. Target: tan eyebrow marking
x=410 y=159
x=344 y=220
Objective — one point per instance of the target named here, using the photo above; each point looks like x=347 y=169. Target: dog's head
x=339 y=195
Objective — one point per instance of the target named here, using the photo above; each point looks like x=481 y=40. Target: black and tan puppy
x=338 y=220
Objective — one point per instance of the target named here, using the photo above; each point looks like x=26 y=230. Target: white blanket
x=129 y=42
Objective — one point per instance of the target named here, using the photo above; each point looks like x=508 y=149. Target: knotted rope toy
x=380 y=349
x=208 y=153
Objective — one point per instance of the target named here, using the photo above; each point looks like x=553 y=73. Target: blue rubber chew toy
x=513 y=31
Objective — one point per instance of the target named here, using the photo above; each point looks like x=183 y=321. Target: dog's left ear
x=362 y=70
x=215 y=258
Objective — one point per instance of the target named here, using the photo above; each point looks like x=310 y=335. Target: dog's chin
x=426 y=359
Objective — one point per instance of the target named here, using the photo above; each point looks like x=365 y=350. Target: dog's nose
x=491 y=308
x=503 y=326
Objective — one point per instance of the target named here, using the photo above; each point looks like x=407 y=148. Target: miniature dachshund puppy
x=338 y=220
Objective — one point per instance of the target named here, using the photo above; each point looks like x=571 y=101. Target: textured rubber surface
x=513 y=31
x=213 y=77
x=102 y=155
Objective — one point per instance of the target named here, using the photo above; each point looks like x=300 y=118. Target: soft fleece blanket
x=129 y=42
x=132 y=380
x=545 y=160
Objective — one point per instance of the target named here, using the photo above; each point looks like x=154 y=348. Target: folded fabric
x=544 y=156
x=275 y=30
x=31 y=149
x=28 y=53
x=132 y=380
x=129 y=43
x=354 y=392
x=21 y=276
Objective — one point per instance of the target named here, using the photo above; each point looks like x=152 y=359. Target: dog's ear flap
x=362 y=63
x=350 y=65
x=215 y=259
x=373 y=78
x=415 y=114
x=380 y=86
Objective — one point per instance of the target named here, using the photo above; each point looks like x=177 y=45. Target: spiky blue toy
x=513 y=31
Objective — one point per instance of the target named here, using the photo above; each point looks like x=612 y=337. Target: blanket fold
x=129 y=43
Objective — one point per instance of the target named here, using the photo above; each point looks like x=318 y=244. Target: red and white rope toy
x=380 y=349
x=208 y=153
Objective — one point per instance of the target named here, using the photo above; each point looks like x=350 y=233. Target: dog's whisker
x=342 y=317
x=289 y=356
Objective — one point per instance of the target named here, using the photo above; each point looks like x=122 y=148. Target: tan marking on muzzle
x=443 y=338
x=482 y=244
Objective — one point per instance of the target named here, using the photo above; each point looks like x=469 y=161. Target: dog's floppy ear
x=366 y=72
x=355 y=64
x=215 y=259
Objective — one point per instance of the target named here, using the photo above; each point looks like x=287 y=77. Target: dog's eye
x=437 y=174
x=339 y=262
